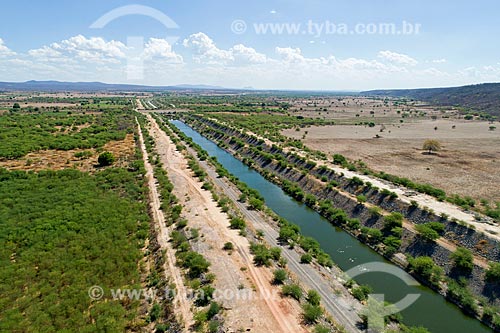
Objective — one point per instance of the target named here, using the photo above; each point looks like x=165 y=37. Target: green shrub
x=106 y=158
x=261 y=254
x=228 y=246
x=237 y=223
x=393 y=220
x=354 y=224
x=361 y=292
x=321 y=329
x=256 y=203
x=292 y=290
x=306 y=258
x=279 y=276
x=426 y=268
x=361 y=199
x=493 y=272
x=426 y=232
x=313 y=297
x=463 y=259
x=275 y=253
x=311 y=313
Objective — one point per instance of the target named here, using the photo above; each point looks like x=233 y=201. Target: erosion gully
x=431 y=310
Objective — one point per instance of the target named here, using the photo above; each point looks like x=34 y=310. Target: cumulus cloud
x=397 y=58
x=97 y=59
x=205 y=49
x=160 y=49
x=4 y=50
x=291 y=55
x=93 y=49
x=44 y=52
x=243 y=54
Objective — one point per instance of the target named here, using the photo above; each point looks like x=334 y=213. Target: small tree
x=106 y=158
x=432 y=146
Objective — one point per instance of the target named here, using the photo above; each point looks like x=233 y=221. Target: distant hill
x=476 y=98
x=94 y=86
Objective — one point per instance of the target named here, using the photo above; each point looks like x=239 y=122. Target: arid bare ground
x=63 y=159
x=181 y=302
x=251 y=302
x=348 y=109
x=467 y=165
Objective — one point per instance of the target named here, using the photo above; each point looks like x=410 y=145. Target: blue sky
x=455 y=43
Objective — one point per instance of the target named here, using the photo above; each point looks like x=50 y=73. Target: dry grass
x=58 y=159
x=353 y=109
x=467 y=165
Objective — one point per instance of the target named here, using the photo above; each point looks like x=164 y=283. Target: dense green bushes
x=61 y=233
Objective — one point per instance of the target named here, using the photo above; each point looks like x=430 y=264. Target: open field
x=345 y=108
x=467 y=164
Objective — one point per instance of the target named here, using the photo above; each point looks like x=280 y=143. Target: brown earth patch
x=60 y=159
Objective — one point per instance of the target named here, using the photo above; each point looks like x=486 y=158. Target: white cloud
x=206 y=52
x=93 y=49
x=439 y=61
x=273 y=12
x=95 y=59
x=4 y=50
x=205 y=49
x=397 y=58
x=247 y=55
x=161 y=49
x=44 y=52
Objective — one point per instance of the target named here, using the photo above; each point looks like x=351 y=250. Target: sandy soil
x=139 y=104
x=253 y=309
x=467 y=165
x=181 y=303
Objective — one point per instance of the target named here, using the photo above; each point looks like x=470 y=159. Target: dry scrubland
x=352 y=110
x=467 y=164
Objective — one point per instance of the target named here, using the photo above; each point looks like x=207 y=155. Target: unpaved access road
x=181 y=303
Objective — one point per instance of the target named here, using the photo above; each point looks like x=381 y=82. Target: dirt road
x=181 y=303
